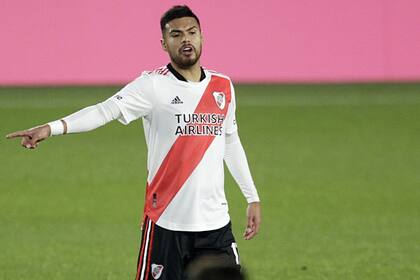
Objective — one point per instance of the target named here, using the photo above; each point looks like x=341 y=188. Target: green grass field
x=337 y=167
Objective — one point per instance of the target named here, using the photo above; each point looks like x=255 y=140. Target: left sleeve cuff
x=57 y=128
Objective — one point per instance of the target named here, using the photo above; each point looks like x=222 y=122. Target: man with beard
x=189 y=121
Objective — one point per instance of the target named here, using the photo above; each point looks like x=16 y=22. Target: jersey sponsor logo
x=119 y=97
x=219 y=97
x=157 y=270
x=177 y=100
x=199 y=124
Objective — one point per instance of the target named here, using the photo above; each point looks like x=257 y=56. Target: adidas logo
x=177 y=100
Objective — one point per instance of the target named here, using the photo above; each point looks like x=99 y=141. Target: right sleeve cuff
x=57 y=128
x=253 y=199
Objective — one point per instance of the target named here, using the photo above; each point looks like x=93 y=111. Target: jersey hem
x=193 y=227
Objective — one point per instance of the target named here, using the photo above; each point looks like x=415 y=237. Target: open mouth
x=187 y=50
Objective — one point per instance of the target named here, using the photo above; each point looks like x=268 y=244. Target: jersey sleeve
x=135 y=100
x=231 y=125
x=237 y=164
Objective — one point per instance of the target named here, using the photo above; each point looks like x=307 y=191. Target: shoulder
x=158 y=72
x=218 y=74
x=148 y=77
x=231 y=94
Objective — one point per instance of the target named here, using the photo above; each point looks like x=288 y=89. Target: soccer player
x=188 y=115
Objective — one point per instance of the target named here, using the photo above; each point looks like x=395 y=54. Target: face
x=182 y=40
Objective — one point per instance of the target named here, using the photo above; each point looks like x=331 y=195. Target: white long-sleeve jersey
x=190 y=128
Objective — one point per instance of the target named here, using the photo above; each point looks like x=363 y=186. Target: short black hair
x=176 y=12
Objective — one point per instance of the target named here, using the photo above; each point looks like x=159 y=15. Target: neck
x=192 y=73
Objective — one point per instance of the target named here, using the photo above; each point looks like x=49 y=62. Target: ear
x=163 y=44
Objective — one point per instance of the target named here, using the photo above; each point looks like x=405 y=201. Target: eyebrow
x=179 y=30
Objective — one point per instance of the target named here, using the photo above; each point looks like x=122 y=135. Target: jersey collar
x=180 y=77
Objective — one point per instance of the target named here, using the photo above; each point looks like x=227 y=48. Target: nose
x=185 y=38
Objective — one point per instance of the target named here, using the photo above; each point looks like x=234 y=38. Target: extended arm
x=86 y=119
x=133 y=101
x=237 y=164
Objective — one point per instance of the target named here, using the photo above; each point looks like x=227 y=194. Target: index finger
x=23 y=133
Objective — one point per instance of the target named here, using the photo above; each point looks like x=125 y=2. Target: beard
x=185 y=62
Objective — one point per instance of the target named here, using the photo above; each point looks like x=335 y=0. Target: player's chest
x=182 y=99
x=178 y=101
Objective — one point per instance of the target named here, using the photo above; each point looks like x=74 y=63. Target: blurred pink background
x=107 y=42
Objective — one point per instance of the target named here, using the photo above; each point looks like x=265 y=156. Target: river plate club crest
x=220 y=99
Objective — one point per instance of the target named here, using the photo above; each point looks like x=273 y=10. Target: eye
x=174 y=34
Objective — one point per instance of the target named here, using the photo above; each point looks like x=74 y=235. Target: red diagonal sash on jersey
x=184 y=155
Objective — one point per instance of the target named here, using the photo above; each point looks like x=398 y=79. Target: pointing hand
x=31 y=137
